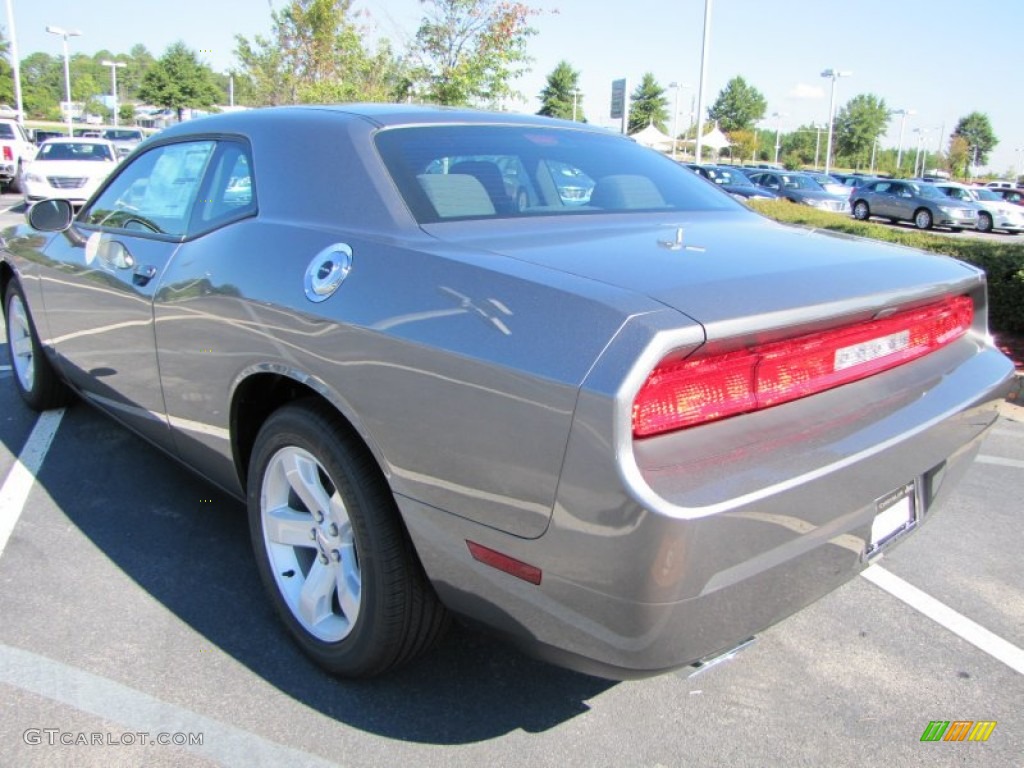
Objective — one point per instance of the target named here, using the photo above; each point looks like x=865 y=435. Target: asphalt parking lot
x=131 y=611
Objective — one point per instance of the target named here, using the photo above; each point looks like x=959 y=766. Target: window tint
x=156 y=192
x=465 y=171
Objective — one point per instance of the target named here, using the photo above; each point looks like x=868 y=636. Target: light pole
x=903 y=124
x=920 y=143
x=778 y=128
x=575 y=96
x=675 y=114
x=113 y=82
x=15 y=65
x=705 y=54
x=1017 y=169
x=66 y=33
x=834 y=74
x=817 y=144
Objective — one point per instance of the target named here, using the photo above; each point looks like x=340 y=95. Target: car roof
x=381 y=115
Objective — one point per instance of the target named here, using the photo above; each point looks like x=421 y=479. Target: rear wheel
x=861 y=211
x=34 y=376
x=331 y=549
x=16 y=185
x=923 y=219
x=984 y=222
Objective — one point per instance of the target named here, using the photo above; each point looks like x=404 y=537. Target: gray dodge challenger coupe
x=625 y=428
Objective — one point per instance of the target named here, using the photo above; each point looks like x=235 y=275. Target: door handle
x=143 y=274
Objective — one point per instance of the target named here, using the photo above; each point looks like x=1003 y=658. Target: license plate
x=895 y=513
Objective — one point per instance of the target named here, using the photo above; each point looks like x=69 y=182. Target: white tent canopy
x=715 y=139
x=652 y=137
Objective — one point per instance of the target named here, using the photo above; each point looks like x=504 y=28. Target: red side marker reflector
x=684 y=393
x=503 y=562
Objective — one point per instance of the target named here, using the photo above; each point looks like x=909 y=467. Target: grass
x=1002 y=261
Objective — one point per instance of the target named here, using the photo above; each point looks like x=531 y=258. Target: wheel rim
x=20 y=336
x=924 y=219
x=861 y=211
x=310 y=545
x=986 y=223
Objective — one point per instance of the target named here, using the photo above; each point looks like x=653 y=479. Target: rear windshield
x=456 y=172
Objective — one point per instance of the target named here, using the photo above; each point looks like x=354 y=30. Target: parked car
x=40 y=135
x=1015 y=196
x=16 y=151
x=124 y=139
x=829 y=183
x=1002 y=184
x=915 y=201
x=801 y=188
x=994 y=213
x=627 y=434
x=69 y=169
x=733 y=181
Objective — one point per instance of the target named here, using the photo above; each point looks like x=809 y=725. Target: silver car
x=627 y=431
x=802 y=188
x=915 y=201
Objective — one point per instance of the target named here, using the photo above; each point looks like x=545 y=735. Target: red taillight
x=683 y=393
x=8 y=154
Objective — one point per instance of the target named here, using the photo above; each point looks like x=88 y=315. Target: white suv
x=15 y=151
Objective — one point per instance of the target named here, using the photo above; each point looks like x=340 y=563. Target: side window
x=228 y=193
x=156 y=192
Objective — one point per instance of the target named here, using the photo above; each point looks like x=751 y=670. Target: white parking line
x=957 y=623
x=22 y=476
x=1000 y=461
x=137 y=711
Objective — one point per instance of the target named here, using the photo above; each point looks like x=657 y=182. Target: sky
x=941 y=58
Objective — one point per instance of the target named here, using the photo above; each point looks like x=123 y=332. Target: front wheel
x=330 y=547
x=984 y=222
x=34 y=377
x=861 y=212
x=923 y=219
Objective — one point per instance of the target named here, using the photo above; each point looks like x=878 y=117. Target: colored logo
x=958 y=730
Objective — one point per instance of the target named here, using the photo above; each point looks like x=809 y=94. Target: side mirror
x=50 y=215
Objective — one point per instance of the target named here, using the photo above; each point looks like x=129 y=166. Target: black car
x=731 y=180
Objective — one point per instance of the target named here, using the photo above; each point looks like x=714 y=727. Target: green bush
x=1003 y=262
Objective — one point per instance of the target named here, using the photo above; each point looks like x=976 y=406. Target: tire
x=34 y=375
x=923 y=219
x=984 y=222
x=15 y=185
x=861 y=212
x=522 y=201
x=331 y=549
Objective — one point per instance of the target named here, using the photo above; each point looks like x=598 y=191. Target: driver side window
x=155 y=193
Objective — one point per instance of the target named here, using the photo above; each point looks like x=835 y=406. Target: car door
x=102 y=274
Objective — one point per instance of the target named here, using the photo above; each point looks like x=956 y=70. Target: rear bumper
x=723 y=530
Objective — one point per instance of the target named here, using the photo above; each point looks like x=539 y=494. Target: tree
x=738 y=106
x=469 y=51
x=858 y=125
x=959 y=156
x=315 y=54
x=6 y=71
x=179 y=81
x=804 y=143
x=648 y=106
x=976 y=130
x=744 y=145
x=561 y=96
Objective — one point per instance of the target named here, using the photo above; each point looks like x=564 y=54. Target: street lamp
x=675 y=114
x=834 y=74
x=920 y=143
x=113 y=82
x=15 y=65
x=903 y=124
x=778 y=127
x=66 y=33
x=575 y=96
